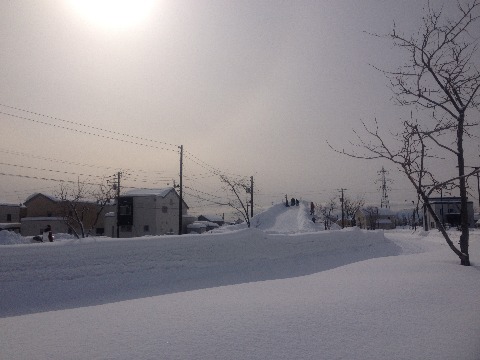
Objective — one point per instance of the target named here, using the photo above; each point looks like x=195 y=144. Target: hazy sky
x=247 y=87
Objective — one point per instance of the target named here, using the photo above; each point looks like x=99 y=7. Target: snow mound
x=12 y=238
x=280 y=219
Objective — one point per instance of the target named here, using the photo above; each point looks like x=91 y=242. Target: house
x=31 y=226
x=347 y=222
x=144 y=212
x=43 y=205
x=10 y=215
x=196 y=228
x=373 y=218
x=209 y=225
x=447 y=210
x=213 y=219
x=42 y=210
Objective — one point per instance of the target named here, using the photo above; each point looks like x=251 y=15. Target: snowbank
x=10 y=237
x=242 y=294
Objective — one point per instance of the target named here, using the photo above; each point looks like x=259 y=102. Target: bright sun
x=114 y=13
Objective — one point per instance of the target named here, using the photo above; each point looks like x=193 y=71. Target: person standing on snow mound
x=47 y=234
x=312 y=208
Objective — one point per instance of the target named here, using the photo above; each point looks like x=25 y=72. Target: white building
x=448 y=212
x=373 y=218
x=146 y=212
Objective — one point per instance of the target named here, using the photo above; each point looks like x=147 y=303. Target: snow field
x=242 y=294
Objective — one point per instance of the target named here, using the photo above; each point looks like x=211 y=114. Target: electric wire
x=86 y=132
x=87 y=126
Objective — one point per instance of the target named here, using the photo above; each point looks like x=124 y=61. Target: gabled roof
x=51 y=198
x=153 y=192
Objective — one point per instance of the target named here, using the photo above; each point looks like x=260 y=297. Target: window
x=146 y=228
x=125 y=210
x=9 y=217
x=171 y=201
x=164 y=209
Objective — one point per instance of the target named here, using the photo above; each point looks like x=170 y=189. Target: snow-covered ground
x=283 y=289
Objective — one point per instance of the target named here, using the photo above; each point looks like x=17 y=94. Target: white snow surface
x=283 y=289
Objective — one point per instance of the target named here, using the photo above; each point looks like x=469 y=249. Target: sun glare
x=114 y=13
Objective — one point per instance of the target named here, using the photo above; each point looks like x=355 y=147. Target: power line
x=189 y=155
x=87 y=126
x=93 y=131
x=49 y=170
x=86 y=132
x=32 y=156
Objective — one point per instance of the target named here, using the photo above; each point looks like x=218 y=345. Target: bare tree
x=327 y=212
x=83 y=204
x=441 y=77
x=371 y=217
x=237 y=187
x=351 y=206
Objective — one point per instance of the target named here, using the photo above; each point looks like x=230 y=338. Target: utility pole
x=119 y=174
x=251 y=196
x=343 y=210
x=180 y=205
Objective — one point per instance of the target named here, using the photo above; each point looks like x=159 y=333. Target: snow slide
x=69 y=274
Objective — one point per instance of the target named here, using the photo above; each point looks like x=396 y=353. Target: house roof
x=150 y=192
x=153 y=192
x=384 y=221
x=42 y=218
x=212 y=218
x=10 y=205
x=50 y=197
x=196 y=225
x=381 y=211
x=447 y=200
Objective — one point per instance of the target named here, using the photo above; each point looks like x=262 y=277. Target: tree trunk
x=464 y=237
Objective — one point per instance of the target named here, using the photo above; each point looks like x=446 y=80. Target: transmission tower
x=384 y=188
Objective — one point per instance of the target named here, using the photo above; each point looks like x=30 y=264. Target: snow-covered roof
x=381 y=211
x=197 y=225
x=53 y=198
x=446 y=200
x=208 y=223
x=9 y=225
x=42 y=218
x=10 y=204
x=212 y=218
x=385 y=212
x=150 y=192
x=384 y=221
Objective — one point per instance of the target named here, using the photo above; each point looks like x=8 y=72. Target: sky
x=249 y=88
